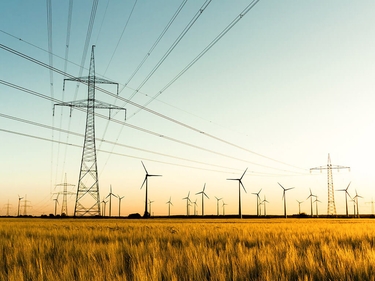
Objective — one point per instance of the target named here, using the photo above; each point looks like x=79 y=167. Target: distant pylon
x=331 y=208
x=87 y=199
x=65 y=193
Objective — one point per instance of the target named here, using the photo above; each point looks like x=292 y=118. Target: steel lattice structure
x=88 y=199
x=331 y=208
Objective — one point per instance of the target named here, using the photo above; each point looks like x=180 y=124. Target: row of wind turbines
x=260 y=202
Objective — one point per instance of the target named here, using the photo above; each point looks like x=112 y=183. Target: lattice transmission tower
x=65 y=193
x=331 y=209
x=87 y=198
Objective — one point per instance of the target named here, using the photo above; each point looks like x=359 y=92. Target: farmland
x=177 y=249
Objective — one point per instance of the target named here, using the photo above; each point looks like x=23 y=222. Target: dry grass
x=42 y=249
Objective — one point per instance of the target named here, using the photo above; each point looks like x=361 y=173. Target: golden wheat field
x=156 y=249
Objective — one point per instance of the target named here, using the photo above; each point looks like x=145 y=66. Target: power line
x=144 y=130
x=155 y=43
x=175 y=43
x=130 y=156
x=109 y=142
x=122 y=33
x=148 y=110
x=205 y=50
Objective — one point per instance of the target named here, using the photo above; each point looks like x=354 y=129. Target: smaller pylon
x=65 y=193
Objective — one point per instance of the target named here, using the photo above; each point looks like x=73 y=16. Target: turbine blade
x=348 y=185
x=281 y=186
x=243 y=174
x=144 y=167
x=243 y=185
x=144 y=181
x=204 y=187
x=206 y=195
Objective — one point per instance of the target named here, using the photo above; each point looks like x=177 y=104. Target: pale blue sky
x=292 y=80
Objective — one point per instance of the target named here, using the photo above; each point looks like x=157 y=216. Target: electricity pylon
x=65 y=193
x=87 y=199
x=331 y=209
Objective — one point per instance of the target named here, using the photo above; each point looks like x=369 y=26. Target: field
x=277 y=249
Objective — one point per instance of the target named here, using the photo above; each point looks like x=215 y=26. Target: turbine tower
x=346 y=198
x=147 y=214
x=217 y=205
x=258 y=201
x=203 y=194
x=239 y=192
x=87 y=199
x=169 y=206
x=331 y=208
x=284 y=197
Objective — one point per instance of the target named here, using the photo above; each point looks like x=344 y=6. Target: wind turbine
x=203 y=194
x=346 y=197
x=187 y=203
x=311 y=202
x=354 y=207
x=356 y=201
x=146 y=214
x=19 y=201
x=316 y=202
x=299 y=206
x=110 y=199
x=258 y=198
x=195 y=207
x=239 y=192
x=224 y=204
x=284 y=197
x=56 y=202
x=217 y=205
x=119 y=204
x=150 y=202
x=169 y=206
x=372 y=205
x=264 y=203
x=105 y=204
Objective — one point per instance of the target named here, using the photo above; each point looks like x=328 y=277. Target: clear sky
x=291 y=82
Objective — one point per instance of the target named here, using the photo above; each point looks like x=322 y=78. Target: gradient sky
x=291 y=82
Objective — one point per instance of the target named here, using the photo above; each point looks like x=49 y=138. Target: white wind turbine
x=239 y=192
x=217 y=205
x=187 y=203
x=346 y=198
x=284 y=197
x=203 y=194
x=169 y=206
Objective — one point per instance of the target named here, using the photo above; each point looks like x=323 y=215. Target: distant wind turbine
x=187 y=203
x=224 y=204
x=356 y=201
x=119 y=204
x=311 y=202
x=19 y=202
x=264 y=204
x=150 y=202
x=147 y=214
x=258 y=199
x=239 y=192
x=195 y=207
x=217 y=205
x=299 y=206
x=284 y=197
x=203 y=194
x=316 y=202
x=346 y=198
x=169 y=206
x=110 y=199
x=56 y=202
x=105 y=204
x=372 y=205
